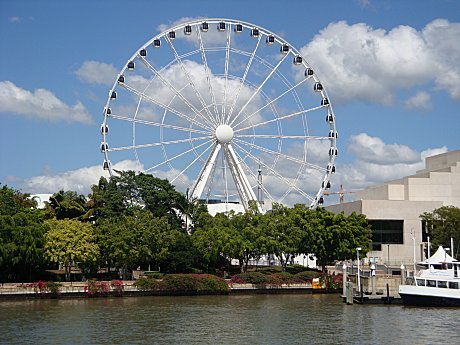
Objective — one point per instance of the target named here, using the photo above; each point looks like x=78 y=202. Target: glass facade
x=386 y=231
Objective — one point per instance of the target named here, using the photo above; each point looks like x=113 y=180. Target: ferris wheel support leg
x=203 y=177
x=241 y=181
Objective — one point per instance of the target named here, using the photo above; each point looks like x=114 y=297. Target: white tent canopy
x=439 y=257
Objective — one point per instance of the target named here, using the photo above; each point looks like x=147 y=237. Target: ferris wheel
x=227 y=111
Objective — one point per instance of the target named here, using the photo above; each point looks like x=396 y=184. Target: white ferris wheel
x=227 y=111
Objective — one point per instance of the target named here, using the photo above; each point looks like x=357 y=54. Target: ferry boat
x=437 y=285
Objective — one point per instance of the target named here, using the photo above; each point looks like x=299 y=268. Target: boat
x=437 y=285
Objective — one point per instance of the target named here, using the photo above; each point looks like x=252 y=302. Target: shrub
x=153 y=274
x=332 y=282
x=270 y=269
x=256 y=278
x=306 y=276
x=281 y=278
x=95 y=288
x=42 y=287
x=194 y=283
x=145 y=284
x=294 y=269
x=117 y=286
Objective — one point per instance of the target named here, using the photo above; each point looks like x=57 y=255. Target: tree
x=336 y=237
x=66 y=205
x=442 y=225
x=131 y=240
x=22 y=232
x=70 y=241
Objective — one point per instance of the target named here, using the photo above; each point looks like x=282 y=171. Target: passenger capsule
x=104 y=129
x=104 y=147
x=330 y=168
x=321 y=200
x=333 y=169
x=332 y=134
x=121 y=79
x=108 y=111
x=113 y=95
x=333 y=151
x=309 y=72
x=130 y=65
x=324 y=101
x=221 y=26
x=270 y=39
x=328 y=185
x=329 y=118
x=238 y=28
x=204 y=26
x=297 y=60
x=284 y=49
x=318 y=87
x=255 y=32
x=188 y=30
x=157 y=43
x=106 y=165
x=143 y=52
x=172 y=35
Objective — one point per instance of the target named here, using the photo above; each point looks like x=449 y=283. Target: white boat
x=437 y=285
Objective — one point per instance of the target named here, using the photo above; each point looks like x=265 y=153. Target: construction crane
x=341 y=194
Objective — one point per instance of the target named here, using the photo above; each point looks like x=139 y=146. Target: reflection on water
x=245 y=319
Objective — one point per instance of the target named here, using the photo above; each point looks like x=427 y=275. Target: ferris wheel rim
x=263 y=31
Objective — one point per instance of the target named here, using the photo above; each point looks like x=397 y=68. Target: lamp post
x=359 y=279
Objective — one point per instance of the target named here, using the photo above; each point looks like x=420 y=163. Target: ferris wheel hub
x=224 y=134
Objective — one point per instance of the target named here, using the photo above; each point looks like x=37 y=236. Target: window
x=420 y=282
x=431 y=283
x=453 y=285
x=442 y=284
x=386 y=231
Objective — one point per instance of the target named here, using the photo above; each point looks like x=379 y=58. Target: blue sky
x=390 y=67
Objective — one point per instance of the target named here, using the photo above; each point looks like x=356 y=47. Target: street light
x=359 y=279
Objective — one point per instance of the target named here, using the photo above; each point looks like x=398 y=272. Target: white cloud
x=374 y=150
x=79 y=180
x=377 y=162
x=357 y=62
x=41 y=104
x=95 y=72
x=15 y=19
x=164 y=27
x=420 y=101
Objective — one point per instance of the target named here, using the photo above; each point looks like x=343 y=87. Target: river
x=240 y=319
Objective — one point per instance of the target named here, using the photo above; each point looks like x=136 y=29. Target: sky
x=390 y=68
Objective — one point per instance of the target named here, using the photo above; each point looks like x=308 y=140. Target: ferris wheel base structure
x=226 y=110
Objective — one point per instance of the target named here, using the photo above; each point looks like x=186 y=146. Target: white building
x=394 y=209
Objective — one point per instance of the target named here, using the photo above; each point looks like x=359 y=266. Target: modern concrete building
x=394 y=208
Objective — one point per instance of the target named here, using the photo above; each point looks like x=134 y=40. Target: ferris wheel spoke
x=208 y=76
x=171 y=87
x=280 y=136
x=271 y=102
x=284 y=117
x=177 y=156
x=254 y=176
x=259 y=88
x=275 y=173
x=281 y=155
x=192 y=84
x=227 y=60
x=243 y=80
x=164 y=106
x=191 y=163
x=157 y=124
x=140 y=146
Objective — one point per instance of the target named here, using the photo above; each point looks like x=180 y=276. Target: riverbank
x=128 y=288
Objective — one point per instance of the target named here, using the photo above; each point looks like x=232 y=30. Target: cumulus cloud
x=358 y=62
x=374 y=150
x=420 y=101
x=79 y=180
x=41 y=104
x=95 y=72
x=377 y=162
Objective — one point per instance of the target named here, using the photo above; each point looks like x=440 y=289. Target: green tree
x=21 y=236
x=132 y=240
x=66 y=205
x=442 y=225
x=70 y=241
